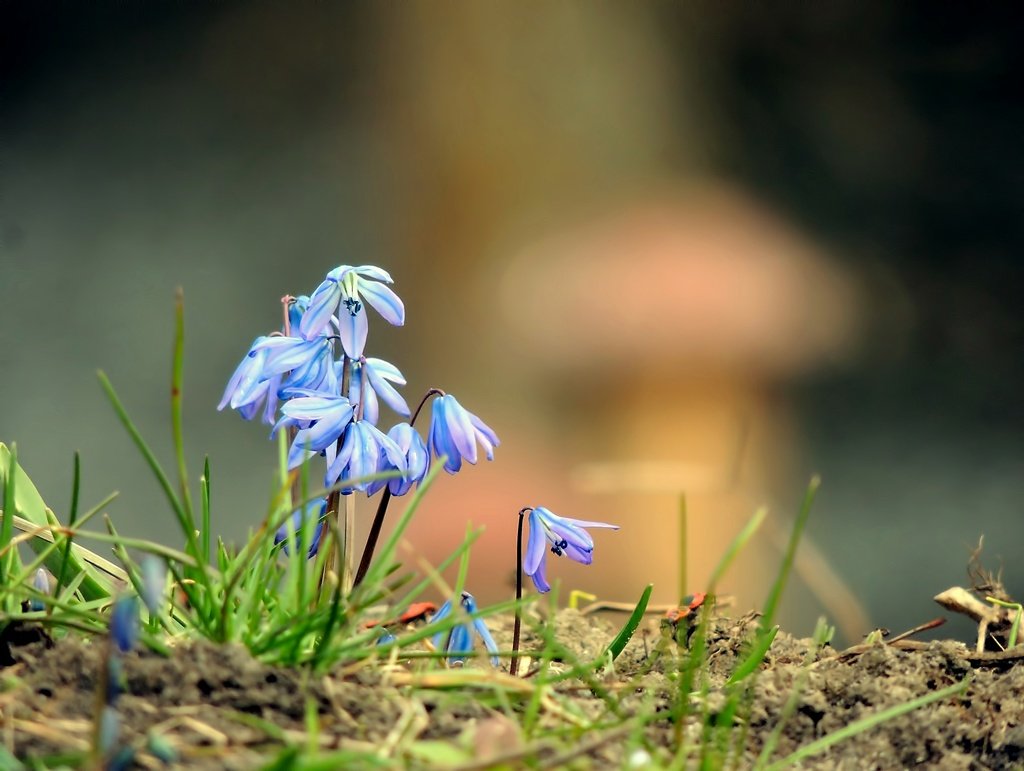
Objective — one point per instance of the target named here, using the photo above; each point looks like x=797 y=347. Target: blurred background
x=659 y=247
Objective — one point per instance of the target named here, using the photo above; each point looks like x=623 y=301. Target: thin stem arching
x=513 y=667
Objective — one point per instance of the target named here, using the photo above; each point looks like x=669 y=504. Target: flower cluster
x=314 y=379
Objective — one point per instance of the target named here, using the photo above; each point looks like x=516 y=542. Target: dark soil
x=219 y=708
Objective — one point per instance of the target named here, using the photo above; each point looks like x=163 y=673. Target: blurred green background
x=658 y=246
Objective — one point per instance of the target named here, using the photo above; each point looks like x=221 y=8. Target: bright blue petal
x=485 y=635
x=460 y=644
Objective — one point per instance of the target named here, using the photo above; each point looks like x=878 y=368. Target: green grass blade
x=775 y=595
x=28 y=504
x=626 y=633
x=7 y=528
x=735 y=547
x=76 y=481
x=177 y=383
x=753 y=659
x=204 y=486
x=182 y=514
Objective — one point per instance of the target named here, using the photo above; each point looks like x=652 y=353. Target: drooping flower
x=314 y=510
x=124 y=622
x=377 y=374
x=342 y=292
x=363 y=453
x=563 y=535
x=154 y=583
x=41 y=583
x=455 y=431
x=417 y=461
x=321 y=419
x=457 y=642
x=300 y=363
x=249 y=388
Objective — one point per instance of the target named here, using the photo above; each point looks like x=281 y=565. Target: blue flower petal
x=386 y=370
x=460 y=428
x=536 y=546
x=353 y=328
x=373 y=272
x=540 y=579
x=322 y=305
x=383 y=300
x=385 y=390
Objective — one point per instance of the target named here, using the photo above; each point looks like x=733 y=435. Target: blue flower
x=377 y=373
x=301 y=363
x=457 y=643
x=321 y=419
x=417 y=461
x=365 y=451
x=41 y=583
x=124 y=622
x=249 y=388
x=297 y=307
x=565 y=536
x=315 y=510
x=154 y=583
x=342 y=293
x=454 y=431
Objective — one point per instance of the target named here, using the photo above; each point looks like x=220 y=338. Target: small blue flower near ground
x=563 y=535
x=41 y=583
x=457 y=642
x=124 y=622
x=455 y=432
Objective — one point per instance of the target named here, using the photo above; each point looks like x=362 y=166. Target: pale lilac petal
x=314 y=407
x=373 y=272
x=460 y=428
x=322 y=305
x=386 y=370
x=388 y=304
x=540 y=579
x=336 y=467
x=487 y=438
x=297 y=454
x=582 y=556
x=391 y=450
x=353 y=330
x=339 y=273
x=585 y=523
x=386 y=391
x=536 y=546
